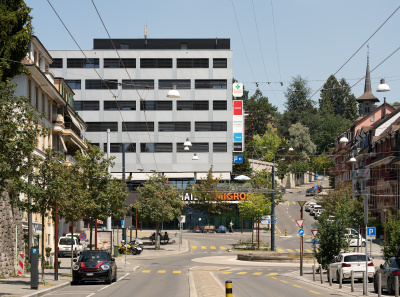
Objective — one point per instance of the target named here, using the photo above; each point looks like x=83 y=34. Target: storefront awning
x=222 y=175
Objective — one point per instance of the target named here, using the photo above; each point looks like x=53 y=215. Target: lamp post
x=384 y=229
x=301 y=203
x=273 y=204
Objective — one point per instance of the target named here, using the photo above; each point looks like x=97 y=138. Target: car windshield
x=65 y=241
x=354 y=258
x=93 y=256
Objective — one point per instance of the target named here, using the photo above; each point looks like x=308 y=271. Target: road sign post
x=301 y=233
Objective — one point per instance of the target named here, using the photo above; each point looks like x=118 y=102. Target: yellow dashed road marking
x=257 y=273
x=244 y=272
x=145 y=271
x=280 y=250
x=161 y=271
x=287 y=202
x=213 y=248
x=298 y=250
x=226 y=272
x=297 y=286
x=177 y=271
x=284 y=281
x=308 y=251
x=290 y=250
x=194 y=247
x=294 y=202
x=313 y=292
x=273 y=273
x=222 y=248
x=203 y=247
x=273 y=277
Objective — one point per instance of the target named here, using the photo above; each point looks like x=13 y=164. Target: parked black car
x=94 y=266
x=388 y=270
x=311 y=191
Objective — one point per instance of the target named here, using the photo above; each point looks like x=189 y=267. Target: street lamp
x=343 y=139
x=173 y=93
x=187 y=144
x=301 y=203
x=195 y=157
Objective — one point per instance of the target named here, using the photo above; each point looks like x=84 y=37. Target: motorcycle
x=135 y=248
x=130 y=247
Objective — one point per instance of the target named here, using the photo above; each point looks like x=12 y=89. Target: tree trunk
x=91 y=233
x=72 y=245
x=43 y=251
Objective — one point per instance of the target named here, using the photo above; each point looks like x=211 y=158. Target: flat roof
x=181 y=43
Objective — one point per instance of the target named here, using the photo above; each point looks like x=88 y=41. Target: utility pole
x=273 y=210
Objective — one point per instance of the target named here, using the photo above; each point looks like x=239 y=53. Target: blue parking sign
x=371 y=232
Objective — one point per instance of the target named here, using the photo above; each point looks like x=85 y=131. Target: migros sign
x=228 y=196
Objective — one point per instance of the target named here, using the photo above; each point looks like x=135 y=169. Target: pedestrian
x=230 y=227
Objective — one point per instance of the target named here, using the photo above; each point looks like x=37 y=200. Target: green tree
x=158 y=201
x=321 y=163
x=19 y=131
x=206 y=191
x=300 y=140
x=96 y=177
x=392 y=246
x=15 y=37
x=269 y=143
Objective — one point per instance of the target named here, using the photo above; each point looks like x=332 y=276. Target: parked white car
x=64 y=246
x=309 y=205
x=315 y=208
x=351 y=262
x=352 y=240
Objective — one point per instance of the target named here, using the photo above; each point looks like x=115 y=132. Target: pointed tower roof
x=367 y=96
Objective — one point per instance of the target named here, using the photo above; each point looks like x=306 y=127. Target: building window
x=86 y=105
x=192 y=63
x=57 y=63
x=210 y=84
x=220 y=147
x=138 y=126
x=137 y=84
x=102 y=126
x=220 y=63
x=119 y=63
x=198 y=147
x=210 y=126
x=373 y=118
x=119 y=105
x=220 y=105
x=117 y=147
x=155 y=105
x=155 y=63
x=166 y=84
x=192 y=105
x=98 y=84
x=173 y=126
x=74 y=84
x=83 y=63
x=159 y=147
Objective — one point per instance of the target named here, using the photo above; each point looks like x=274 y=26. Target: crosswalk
x=172 y=271
x=223 y=248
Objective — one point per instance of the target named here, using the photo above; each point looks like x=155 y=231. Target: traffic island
x=275 y=257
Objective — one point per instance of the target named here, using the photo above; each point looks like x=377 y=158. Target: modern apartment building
x=122 y=85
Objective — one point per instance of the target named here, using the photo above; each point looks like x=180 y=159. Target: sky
x=272 y=40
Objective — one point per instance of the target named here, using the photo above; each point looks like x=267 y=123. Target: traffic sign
x=315 y=241
x=82 y=236
x=314 y=232
x=316 y=175
x=371 y=233
x=300 y=223
x=315 y=188
x=301 y=232
x=322 y=179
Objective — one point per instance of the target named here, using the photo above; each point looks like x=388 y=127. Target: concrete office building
x=125 y=90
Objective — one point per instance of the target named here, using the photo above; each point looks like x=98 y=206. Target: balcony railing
x=72 y=127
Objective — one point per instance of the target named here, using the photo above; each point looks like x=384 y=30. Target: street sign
x=315 y=241
x=316 y=175
x=122 y=223
x=314 y=232
x=82 y=236
x=371 y=233
x=301 y=232
x=237 y=158
x=300 y=223
x=237 y=90
x=315 y=188
x=322 y=179
x=181 y=219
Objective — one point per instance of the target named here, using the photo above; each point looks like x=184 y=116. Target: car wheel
x=375 y=285
x=390 y=286
x=337 y=276
x=109 y=280
x=75 y=282
x=115 y=276
x=363 y=243
x=370 y=279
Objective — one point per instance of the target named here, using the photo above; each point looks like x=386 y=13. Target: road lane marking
x=145 y=271
x=194 y=247
x=161 y=271
x=123 y=277
x=308 y=251
x=213 y=247
x=290 y=250
x=287 y=202
x=313 y=292
x=273 y=277
x=105 y=287
x=227 y=272
x=294 y=202
x=222 y=248
x=298 y=250
x=203 y=247
x=280 y=250
x=297 y=286
x=257 y=273
x=243 y=272
x=273 y=273
x=177 y=271
x=284 y=281
x=90 y=295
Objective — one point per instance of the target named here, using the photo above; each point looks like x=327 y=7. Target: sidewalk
x=20 y=286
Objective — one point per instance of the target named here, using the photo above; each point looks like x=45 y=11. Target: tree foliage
x=392 y=227
x=269 y=143
x=300 y=140
x=158 y=201
x=15 y=37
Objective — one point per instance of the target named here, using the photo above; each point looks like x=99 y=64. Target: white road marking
x=104 y=287
x=124 y=275
x=90 y=295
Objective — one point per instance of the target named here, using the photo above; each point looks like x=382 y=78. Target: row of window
x=151 y=105
x=163 y=147
x=144 y=63
x=148 y=84
x=162 y=126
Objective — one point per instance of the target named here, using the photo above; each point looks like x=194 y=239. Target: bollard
x=364 y=289
x=285 y=232
x=396 y=286
x=352 y=280
x=340 y=278
x=313 y=273
x=379 y=284
x=320 y=273
x=228 y=288
x=330 y=275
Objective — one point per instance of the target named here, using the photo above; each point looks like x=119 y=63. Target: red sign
x=100 y=222
x=238 y=107
x=300 y=223
x=314 y=232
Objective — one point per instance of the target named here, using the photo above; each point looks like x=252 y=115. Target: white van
x=64 y=246
x=314 y=209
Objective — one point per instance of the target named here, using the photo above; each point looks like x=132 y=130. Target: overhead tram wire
x=241 y=37
x=103 y=81
x=376 y=31
x=126 y=70
x=276 y=42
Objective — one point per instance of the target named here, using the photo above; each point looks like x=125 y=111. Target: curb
x=46 y=291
